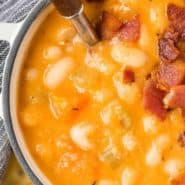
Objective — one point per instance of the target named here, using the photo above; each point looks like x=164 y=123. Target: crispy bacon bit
x=176 y=16
x=167 y=50
x=75 y=109
x=179 y=180
x=130 y=30
x=176 y=97
x=171 y=34
x=153 y=100
x=109 y=26
x=128 y=76
x=181 y=139
x=167 y=75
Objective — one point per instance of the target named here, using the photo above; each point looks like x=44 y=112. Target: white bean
x=173 y=166
x=126 y=92
x=153 y=157
x=52 y=53
x=31 y=74
x=96 y=60
x=56 y=73
x=149 y=125
x=163 y=142
x=158 y=16
x=144 y=40
x=113 y=109
x=128 y=177
x=107 y=182
x=102 y=95
x=129 y=142
x=65 y=35
x=159 y=145
x=129 y=56
x=79 y=134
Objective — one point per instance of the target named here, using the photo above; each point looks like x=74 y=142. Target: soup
x=112 y=114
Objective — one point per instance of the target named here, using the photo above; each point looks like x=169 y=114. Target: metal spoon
x=73 y=10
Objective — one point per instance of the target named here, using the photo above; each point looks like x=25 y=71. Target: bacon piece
x=109 y=26
x=179 y=180
x=167 y=50
x=181 y=139
x=128 y=76
x=153 y=100
x=167 y=45
x=176 y=97
x=176 y=16
x=167 y=75
x=130 y=30
x=171 y=34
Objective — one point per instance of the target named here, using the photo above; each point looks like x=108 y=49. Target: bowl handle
x=8 y=31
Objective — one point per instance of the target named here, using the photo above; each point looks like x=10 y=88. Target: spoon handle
x=73 y=10
x=85 y=28
x=68 y=8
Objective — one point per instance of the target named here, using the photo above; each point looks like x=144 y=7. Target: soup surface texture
x=111 y=114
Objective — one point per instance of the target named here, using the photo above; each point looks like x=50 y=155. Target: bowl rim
x=7 y=73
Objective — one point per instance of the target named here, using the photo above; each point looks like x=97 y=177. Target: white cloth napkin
x=10 y=11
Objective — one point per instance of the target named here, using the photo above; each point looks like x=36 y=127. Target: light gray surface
x=10 y=11
x=9 y=30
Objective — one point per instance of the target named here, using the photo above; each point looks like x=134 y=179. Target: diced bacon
x=167 y=75
x=169 y=44
x=176 y=16
x=167 y=50
x=176 y=97
x=153 y=100
x=128 y=76
x=179 y=180
x=130 y=30
x=171 y=34
x=109 y=26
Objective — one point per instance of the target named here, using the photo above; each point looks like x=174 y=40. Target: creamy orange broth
x=82 y=125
